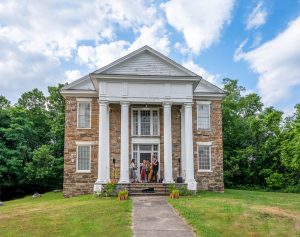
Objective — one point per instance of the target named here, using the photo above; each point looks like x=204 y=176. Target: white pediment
x=145 y=64
x=83 y=83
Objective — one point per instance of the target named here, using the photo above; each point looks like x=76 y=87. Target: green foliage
x=260 y=148
x=185 y=192
x=32 y=141
x=275 y=181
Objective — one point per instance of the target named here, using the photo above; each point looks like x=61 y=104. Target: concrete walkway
x=153 y=216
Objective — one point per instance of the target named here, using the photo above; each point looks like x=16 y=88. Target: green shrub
x=275 y=181
x=185 y=192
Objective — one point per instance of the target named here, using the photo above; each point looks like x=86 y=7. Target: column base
x=124 y=181
x=168 y=181
x=101 y=181
x=192 y=185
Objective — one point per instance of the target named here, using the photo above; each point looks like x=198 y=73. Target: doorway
x=142 y=152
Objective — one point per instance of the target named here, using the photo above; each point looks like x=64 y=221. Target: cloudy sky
x=53 y=41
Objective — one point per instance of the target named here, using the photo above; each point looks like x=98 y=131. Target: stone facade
x=81 y=183
x=212 y=180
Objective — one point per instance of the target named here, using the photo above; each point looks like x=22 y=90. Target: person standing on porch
x=133 y=171
x=155 y=169
x=143 y=171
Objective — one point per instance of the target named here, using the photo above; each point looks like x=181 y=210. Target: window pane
x=84 y=115
x=135 y=124
x=204 y=157
x=155 y=122
x=203 y=116
x=83 y=158
x=155 y=147
x=145 y=122
x=135 y=147
x=145 y=147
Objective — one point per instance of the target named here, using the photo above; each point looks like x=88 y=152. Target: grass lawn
x=241 y=213
x=54 y=215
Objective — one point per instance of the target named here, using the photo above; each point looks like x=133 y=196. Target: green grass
x=241 y=213
x=54 y=215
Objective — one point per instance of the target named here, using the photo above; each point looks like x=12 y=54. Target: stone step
x=149 y=194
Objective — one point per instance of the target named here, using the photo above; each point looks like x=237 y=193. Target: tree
x=4 y=103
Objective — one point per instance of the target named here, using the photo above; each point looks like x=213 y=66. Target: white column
x=102 y=149
x=183 y=160
x=107 y=162
x=168 y=143
x=189 y=154
x=124 y=174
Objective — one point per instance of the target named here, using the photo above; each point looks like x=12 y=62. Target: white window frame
x=151 y=122
x=84 y=100
x=209 y=118
x=209 y=144
x=89 y=144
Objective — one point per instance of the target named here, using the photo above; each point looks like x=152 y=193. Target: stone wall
x=79 y=183
x=210 y=180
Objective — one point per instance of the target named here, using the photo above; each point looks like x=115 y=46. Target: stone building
x=141 y=106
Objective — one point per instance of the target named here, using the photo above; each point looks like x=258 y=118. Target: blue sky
x=257 y=42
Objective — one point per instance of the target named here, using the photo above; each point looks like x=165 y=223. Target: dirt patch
x=275 y=211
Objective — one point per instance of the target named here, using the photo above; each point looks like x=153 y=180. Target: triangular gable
x=145 y=61
x=83 y=83
x=207 y=87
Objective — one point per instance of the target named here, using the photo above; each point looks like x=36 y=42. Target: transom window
x=203 y=115
x=204 y=157
x=83 y=158
x=84 y=114
x=145 y=122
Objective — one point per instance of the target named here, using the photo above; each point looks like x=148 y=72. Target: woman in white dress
x=133 y=171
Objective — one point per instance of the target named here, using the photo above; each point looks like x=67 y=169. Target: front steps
x=148 y=189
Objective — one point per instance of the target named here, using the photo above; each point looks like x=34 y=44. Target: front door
x=145 y=152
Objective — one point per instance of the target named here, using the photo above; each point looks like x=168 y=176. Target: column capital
x=103 y=102
x=188 y=104
x=124 y=103
x=167 y=103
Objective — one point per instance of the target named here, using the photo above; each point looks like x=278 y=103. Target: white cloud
x=52 y=30
x=96 y=57
x=238 y=53
x=257 y=17
x=201 y=22
x=22 y=71
x=201 y=72
x=277 y=63
x=72 y=75
x=105 y=53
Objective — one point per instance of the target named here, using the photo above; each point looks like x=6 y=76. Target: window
x=203 y=115
x=83 y=158
x=204 y=156
x=145 y=122
x=84 y=114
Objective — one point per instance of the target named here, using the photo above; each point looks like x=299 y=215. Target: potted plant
x=174 y=194
x=123 y=195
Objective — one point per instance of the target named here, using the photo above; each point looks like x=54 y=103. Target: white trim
x=151 y=109
x=146 y=140
x=209 y=118
x=86 y=143
x=86 y=100
x=204 y=143
x=83 y=171
x=209 y=144
x=203 y=102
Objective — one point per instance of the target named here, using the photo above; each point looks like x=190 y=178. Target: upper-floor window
x=203 y=115
x=84 y=113
x=145 y=122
